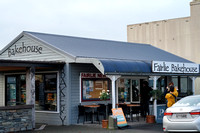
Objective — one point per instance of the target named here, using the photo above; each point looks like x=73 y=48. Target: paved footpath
x=133 y=127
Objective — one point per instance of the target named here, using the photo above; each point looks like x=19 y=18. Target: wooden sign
x=121 y=120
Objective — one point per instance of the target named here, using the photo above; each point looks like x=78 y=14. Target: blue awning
x=125 y=66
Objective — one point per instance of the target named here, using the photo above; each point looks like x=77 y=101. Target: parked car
x=183 y=116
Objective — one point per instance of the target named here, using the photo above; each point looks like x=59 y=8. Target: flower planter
x=150 y=119
x=104 y=123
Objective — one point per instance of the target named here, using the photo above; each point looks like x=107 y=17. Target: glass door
x=128 y=90
x=135 y=90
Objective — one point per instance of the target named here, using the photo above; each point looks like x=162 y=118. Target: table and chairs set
x=99 y=112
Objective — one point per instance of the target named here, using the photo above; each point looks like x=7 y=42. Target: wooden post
x=30 y=91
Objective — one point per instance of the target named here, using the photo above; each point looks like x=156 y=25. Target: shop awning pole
x=193 y=85
x=155 y=100
x=113 y=79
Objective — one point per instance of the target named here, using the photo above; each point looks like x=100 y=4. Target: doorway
x=128 y=90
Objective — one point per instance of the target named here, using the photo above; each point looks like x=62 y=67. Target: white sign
x=174 y=67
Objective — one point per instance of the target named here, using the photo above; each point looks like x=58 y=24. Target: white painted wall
x=47 y=53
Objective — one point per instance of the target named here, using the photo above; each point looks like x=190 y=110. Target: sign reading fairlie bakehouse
x=174 y=67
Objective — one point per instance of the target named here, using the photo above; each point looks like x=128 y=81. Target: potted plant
x=156 y=94
x=105 y=95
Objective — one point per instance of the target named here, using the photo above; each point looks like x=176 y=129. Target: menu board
x=121 y=120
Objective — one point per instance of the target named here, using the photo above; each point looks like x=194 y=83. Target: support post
x=193 y=84
x=155 y=78
x=113 y=79
x=30 y=91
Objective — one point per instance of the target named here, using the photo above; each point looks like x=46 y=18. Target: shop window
x=128 y=90
x=45 y=91
x=135 y=91
x=92 y=85
x=124 y=90
x=15 y=90
x=184 y=85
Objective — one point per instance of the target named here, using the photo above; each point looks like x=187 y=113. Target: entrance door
x=128 y=90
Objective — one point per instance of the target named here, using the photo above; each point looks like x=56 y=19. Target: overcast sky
x=100 y=19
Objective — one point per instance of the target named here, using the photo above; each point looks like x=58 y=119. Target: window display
x=16 y=90
x=92 y=85
x=128 y=90
x=45 y=91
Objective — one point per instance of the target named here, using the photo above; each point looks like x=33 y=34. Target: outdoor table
x=93 y=108
x=131 y=106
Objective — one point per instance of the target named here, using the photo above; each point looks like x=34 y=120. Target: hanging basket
x=150 y=119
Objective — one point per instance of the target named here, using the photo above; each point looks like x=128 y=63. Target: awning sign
x=174 y=67
x=121 y=120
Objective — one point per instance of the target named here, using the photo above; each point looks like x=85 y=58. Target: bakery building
x=57 y=73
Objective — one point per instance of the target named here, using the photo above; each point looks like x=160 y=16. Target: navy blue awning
x=125 y=66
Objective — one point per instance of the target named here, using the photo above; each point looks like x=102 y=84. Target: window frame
x=103 y=78
x=42 y=72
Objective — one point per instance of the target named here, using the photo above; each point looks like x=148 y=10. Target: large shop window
x=45 y=91
x=128 y=90
x=92 y=84
x=184 y=85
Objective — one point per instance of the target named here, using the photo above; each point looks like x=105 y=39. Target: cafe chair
x=136 y=111
x=97 y=115
x=109 y=109
x=82 y=112
x=102 y=110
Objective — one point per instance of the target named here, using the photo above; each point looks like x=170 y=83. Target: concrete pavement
x=138 y=127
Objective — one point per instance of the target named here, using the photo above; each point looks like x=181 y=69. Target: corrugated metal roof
x=104 y=49
x=110 y=57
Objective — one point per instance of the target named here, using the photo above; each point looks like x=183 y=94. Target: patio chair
x=82 y=112
x=136 y=111
x=102 y=110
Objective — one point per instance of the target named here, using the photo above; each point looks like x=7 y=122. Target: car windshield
x=188 y=101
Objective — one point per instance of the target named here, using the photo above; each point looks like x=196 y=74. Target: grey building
x=56 y=73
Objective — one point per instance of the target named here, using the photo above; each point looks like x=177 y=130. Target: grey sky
x=101 y=19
